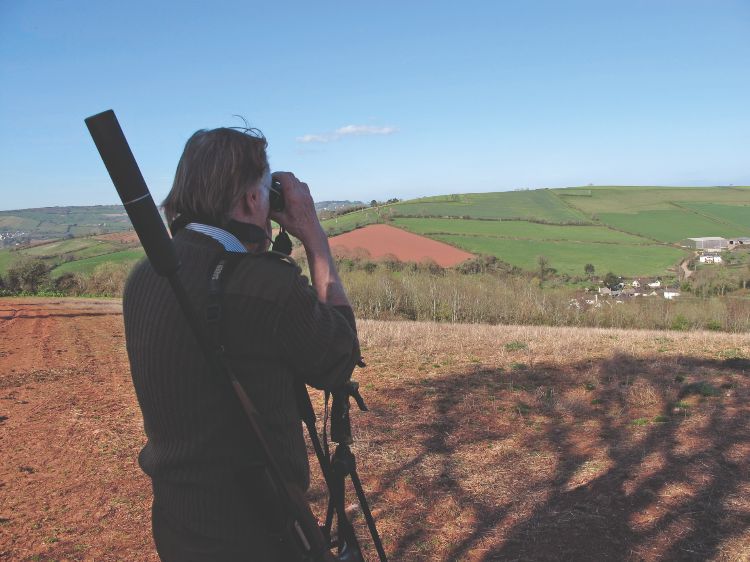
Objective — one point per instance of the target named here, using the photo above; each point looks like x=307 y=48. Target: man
x=275 y=329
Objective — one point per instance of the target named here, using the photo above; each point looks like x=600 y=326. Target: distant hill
x=26 y=225
x=77 y=239
x=47 y=223
x=336 y=205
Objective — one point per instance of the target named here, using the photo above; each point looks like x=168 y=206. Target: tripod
x=337 y=467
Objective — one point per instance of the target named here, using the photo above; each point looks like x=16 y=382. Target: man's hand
x=299 y=217
x=301 y=220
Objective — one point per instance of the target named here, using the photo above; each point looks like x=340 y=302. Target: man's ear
x=244 y=207
x=250 y=200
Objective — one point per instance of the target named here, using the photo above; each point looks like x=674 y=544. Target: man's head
x=218 y=168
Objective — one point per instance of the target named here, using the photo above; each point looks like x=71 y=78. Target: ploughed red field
x=378 y=241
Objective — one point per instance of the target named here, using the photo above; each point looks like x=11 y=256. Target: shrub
x=28 y=275
x=450 y=296
x=108 y=279
x=70 y=284
x=680 y=323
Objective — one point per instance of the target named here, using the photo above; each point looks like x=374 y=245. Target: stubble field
x=483 y=443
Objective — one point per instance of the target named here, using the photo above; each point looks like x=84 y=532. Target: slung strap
x=220 y=271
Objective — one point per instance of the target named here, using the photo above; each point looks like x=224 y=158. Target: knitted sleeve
x=319 y=341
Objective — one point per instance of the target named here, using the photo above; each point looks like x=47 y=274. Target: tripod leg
x=329 y=517
x=348 y=544
x=368 y=515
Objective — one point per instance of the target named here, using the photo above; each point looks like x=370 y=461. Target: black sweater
x=200 y=454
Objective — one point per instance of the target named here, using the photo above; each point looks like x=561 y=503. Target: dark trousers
x=176 y=543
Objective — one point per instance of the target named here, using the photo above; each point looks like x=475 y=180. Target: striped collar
x=230 y=242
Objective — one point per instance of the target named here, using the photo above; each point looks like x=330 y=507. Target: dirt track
x=483 y=443
x=71 y=488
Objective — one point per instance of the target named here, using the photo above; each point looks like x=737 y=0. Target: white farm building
x=710 y=243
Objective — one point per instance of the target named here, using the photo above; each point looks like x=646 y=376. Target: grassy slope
x=672 y=226
x=540 y=204
x=87 y=265
x=58 y=247
x=626 y=199
x=350 y=221
x=571 y=257
x=517 y=230
x=569 y=248
x=73 y=255
x=667 y=214
x=738 y=214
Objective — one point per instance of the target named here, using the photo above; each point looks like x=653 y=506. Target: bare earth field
x=380 y=241
x=483 y=443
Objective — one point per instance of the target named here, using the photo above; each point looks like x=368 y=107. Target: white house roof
x=706 y=238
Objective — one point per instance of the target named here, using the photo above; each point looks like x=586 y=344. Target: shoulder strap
x=220 y=271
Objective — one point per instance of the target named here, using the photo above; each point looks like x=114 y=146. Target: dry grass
x=482 y=443
x=539 y=443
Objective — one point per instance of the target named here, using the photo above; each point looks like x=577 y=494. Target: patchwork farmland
x=631 y=231
x=77 y=255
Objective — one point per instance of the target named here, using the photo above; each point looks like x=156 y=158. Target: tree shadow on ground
x=622 y=458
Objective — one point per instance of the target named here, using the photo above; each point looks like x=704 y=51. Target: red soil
x=379 y=241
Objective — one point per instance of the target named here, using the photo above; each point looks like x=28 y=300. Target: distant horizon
x=368 y=200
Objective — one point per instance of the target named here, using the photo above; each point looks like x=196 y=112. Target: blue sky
x=379 y=100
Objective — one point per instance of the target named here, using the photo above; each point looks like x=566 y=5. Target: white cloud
x=348 y=131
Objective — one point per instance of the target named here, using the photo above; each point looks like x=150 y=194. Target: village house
x=708 y=258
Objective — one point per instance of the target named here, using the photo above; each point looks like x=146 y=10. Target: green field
x=89 y=264
x=350 y=221
x=540 y=204
x=60 y=247
x=735 y=215
x=72 y=254
x=518 y=230
x=672 y=225
x=626 y=199
x=571 y=257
